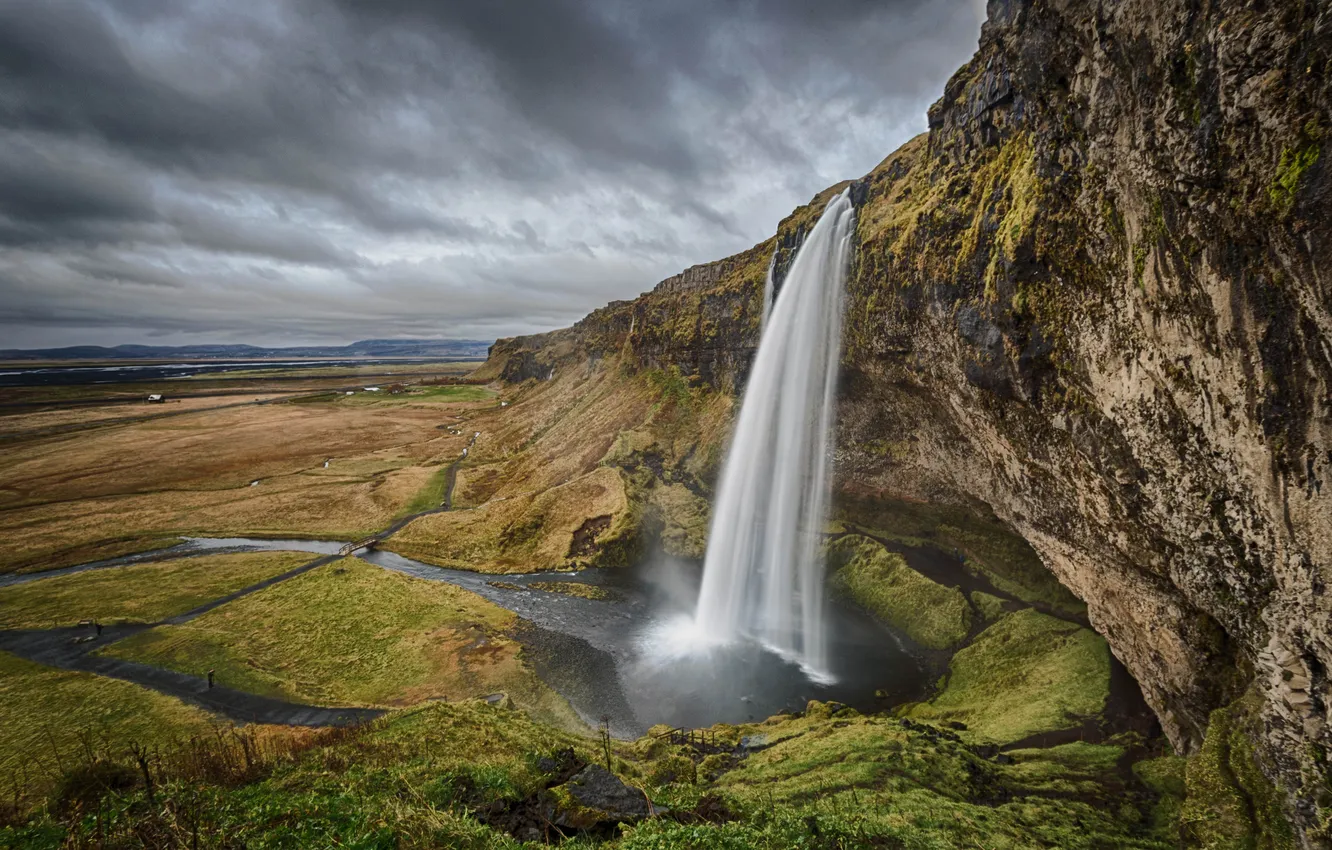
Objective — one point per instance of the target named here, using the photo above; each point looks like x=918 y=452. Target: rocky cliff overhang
x=1097 y=296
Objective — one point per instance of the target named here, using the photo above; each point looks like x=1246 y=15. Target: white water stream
x=762 y=576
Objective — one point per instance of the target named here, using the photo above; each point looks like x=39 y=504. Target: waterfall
x=762 y=576
x=768 y=288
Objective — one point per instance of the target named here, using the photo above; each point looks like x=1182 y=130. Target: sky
x=285 y=172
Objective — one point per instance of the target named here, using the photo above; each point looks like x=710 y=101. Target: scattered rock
x=499 y=701
x=595 y=797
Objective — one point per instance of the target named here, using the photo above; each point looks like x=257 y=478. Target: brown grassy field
x=559 y=475
x=30 y=423
x=70 y=498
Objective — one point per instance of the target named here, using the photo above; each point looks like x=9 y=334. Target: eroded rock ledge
x=1096 y=296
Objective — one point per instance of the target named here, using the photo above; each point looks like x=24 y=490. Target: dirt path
x=72 y=648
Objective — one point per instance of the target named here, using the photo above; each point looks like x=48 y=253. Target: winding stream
x=596 y=652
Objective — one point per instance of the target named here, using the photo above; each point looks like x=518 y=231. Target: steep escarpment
x=1096 y=298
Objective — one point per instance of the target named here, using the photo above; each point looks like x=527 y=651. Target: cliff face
x=1097 y=296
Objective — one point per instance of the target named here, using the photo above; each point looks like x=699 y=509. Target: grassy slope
x=141 y=593
x=1027 y=673
x=880 y=581
x=516 y=535
x=878 y=783
x=823 y=780
x=432 y=494
x=45 y=712
x=351 y=634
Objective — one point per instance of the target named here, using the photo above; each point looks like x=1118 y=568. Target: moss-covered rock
x=989 y=606
x=880 y=581
x=1026 y=674
x=1230 y=804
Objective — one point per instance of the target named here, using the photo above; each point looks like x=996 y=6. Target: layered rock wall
x=1098 y=297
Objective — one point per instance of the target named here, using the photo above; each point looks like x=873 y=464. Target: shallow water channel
x=612 y=658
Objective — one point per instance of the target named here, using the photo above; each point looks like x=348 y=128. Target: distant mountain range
x=462 y=349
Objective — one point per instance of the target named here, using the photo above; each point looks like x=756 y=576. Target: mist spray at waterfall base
x=674 y=673
x=763 y=575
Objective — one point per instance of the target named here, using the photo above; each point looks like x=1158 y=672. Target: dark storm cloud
x=325 y=169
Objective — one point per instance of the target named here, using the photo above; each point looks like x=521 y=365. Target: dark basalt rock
x=597 y=788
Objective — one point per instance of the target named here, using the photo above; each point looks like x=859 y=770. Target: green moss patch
x=1165 y=777
x=573 y=588
x=1295 y=161
x=1026 y=674
x=881 y=582
x=991 y=550
x=1230 y=805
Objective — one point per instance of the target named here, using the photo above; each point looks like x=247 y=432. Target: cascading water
x=769 y=288
x=762 y=577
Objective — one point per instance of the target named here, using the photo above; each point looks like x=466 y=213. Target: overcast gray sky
x=306 y=171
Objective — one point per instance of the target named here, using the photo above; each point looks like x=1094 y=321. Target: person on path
x=210 y=679
x=98 y=626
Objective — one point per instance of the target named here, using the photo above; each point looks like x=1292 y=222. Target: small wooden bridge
x=363 y=543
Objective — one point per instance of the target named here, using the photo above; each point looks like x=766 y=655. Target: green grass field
x=139 y=593
x=443 y=394
x=823 y=780
x=450 y=393
x=350 y=633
